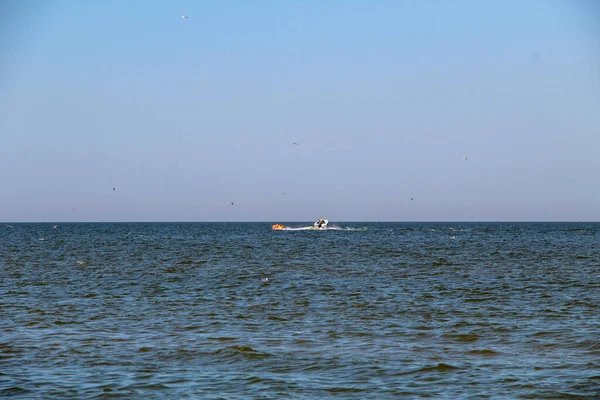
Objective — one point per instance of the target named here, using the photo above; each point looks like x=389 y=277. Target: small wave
x=276 y=318
x=254 y=380
x=14 y=391
x=345 y=390
x=590 y=345
x=151 y=386
x=546 y=333
x=60 y=322
x=441 y=367
x=483 y=352
x=463 y=337
x=479 y=299
x=240 y=352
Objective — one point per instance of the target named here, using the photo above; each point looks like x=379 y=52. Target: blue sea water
x=399 y=310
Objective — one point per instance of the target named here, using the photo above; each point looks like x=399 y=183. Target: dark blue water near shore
x=182 y=310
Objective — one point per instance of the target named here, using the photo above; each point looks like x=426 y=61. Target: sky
x=401 y=110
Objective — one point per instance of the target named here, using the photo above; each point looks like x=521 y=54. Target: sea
x=239 y=311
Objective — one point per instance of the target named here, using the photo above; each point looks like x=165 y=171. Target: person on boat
x=320 y=223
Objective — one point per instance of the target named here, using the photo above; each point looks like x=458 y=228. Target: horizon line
x=298 y=221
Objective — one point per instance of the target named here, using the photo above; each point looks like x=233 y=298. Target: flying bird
x=465 y=158
x=230 y=203
x=412 y=198
x=114 y=188
x=295 y=143
x=184 y=17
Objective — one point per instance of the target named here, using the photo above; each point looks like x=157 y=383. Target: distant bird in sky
x=465 y=158
x=184 y=17
x=114 y=188
x=295 y=143
x=230 y=203
x=283 y=193
x=412 y=198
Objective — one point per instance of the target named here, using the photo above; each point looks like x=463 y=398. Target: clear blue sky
x=384 y=98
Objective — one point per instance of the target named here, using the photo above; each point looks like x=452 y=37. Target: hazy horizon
x=399 y=111
x=332 y=223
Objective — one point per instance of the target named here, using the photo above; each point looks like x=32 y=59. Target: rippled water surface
x=168 y=310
